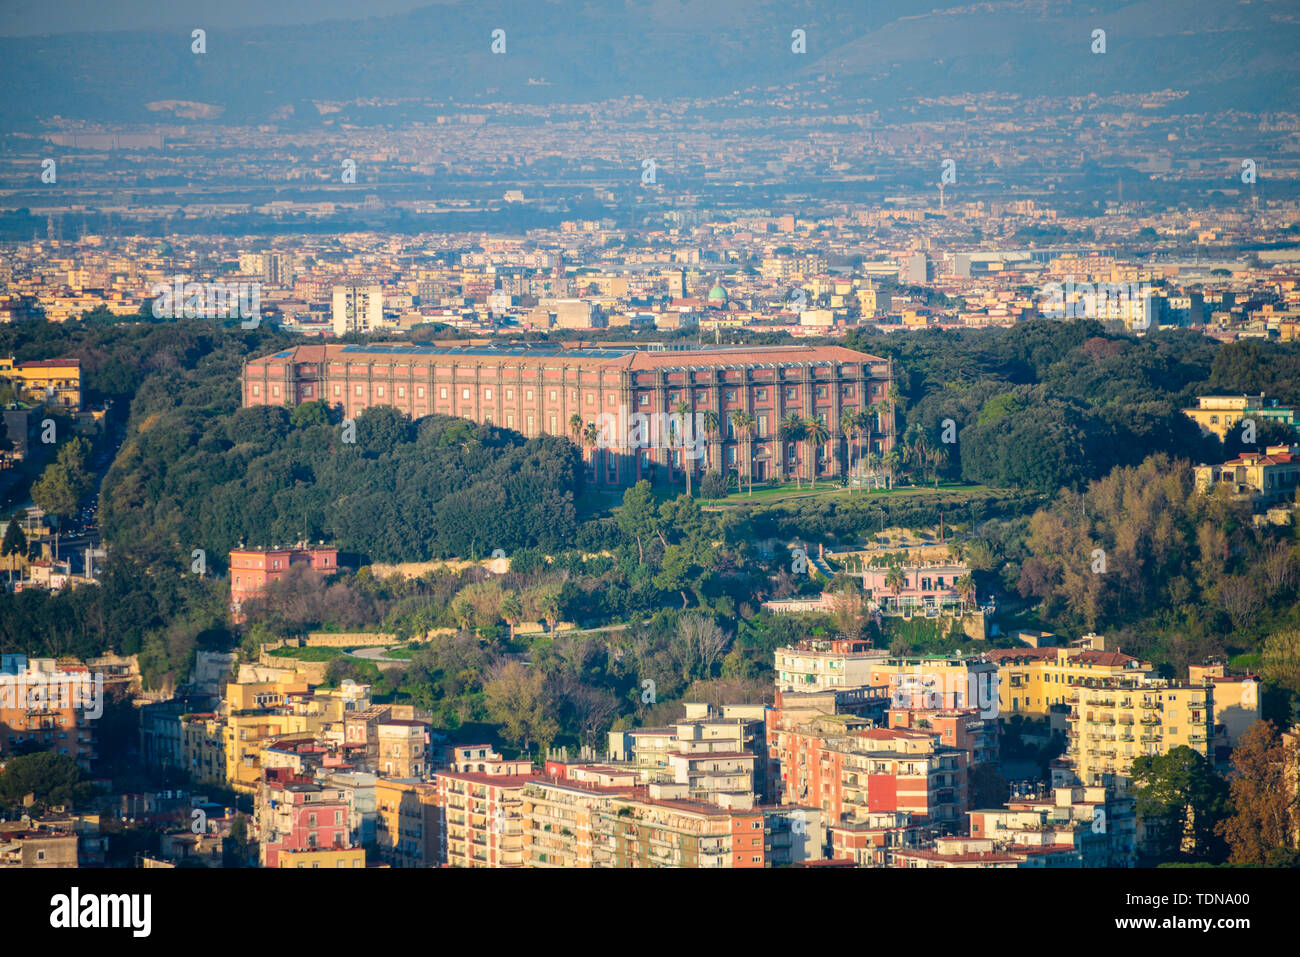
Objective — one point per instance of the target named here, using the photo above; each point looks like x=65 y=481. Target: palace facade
x=558 y=391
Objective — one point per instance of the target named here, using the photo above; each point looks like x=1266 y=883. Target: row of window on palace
x=847 y=391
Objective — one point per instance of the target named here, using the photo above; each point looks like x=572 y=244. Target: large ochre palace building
x=539 y=390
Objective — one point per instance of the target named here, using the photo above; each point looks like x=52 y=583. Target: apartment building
x=403 y=748
x=718 y=752
x=968 y=853
x=871 y=840
x=1032 y=680
x=562 y=813
x=894 y=770
x=1099 y=823
x=38 y=847
x=203 y=747
x=661 y=831
x=818 y=664
x=482 y=818
x=1218 y=415
x=388 y=739
x=1120 y=719
x=934 y=682
x=795 y=725
x=330 y=857
x=1236 y=703
x=48 y=707
x=295 y=814
x=408 y=823
x=537 y=391
x=357 y=308
x=963 y=729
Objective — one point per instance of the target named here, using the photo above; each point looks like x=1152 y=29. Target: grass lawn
x=777 y=494
x=308 y=654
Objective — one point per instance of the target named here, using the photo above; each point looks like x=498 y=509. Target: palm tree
x=683 y=410
x=792 y=429
x=862 y=429
x=512 y=611
x=744 y=424
x=890 y=460
x=817 y=434
x=895 y=580
x=874 y=460
x=575 y=426
x=894 y=405
x=938 y=458
x=591 y=435
x=710 y=419
x=918 y=449
x=966 y=589
x=849 y=427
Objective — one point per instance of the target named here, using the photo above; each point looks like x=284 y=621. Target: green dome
x=717 y=294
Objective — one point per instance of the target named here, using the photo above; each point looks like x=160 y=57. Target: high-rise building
x=358 y=309
x=277 y=269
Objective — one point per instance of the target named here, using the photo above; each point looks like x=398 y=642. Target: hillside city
x=785 y=476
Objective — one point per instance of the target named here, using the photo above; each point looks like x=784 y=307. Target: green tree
x=817 y=434
x=744 y=424
x=50 y=778
x=15 y=542
x=792 y=429
x=683 y=412
x=55 y=492
x=638 y=519
x=1180 y=801
x=519 y=700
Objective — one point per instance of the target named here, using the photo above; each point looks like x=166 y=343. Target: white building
x=358 y=309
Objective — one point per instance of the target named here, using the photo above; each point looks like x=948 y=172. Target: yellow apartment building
x=1236 y=700
x=407 y=828
x=204 y=747
x=1112 y=724
x=1031 y=680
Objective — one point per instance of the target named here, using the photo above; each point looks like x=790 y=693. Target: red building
x=293 y=814
x=540 y=391
x=252 y=568
x=852 y=772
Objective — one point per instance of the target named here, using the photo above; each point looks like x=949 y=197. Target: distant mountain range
x=1228 y=54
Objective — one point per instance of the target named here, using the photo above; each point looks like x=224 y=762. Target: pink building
x=294 y=814
x=925 y=589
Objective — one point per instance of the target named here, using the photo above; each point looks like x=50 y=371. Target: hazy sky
x=36 y=17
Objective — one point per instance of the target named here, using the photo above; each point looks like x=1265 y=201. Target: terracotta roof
x=611 y=358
